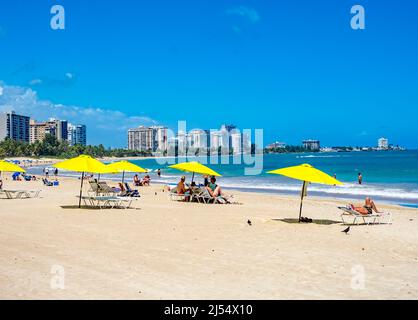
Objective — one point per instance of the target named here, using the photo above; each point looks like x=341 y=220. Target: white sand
x=170 y=250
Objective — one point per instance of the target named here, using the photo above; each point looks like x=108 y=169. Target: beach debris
x=346 y=231
x=156 y=193
x=249 y=222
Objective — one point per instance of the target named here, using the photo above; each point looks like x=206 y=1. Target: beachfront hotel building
x=14 y=126
x=148 y=138
x=276 y=145
x=54 y=127
x=383 y=144
x=77 y=134
x=160 y=138
x=141 y=139
x=311 y=145
x=236 y=142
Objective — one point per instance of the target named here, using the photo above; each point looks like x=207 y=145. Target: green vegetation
x=287 y=149
x=51 y=147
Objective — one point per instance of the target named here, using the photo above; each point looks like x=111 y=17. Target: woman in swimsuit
x=368 y=207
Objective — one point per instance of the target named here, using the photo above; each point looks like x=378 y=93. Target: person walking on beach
x=360 y=178
x=55 y=172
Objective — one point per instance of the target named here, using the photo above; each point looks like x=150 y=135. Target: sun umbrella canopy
x=10 y=167
x=83 y=163
x=125 y=166
x=306 y=172
x=195 y=167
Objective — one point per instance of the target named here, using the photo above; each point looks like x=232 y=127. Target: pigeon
x=249 y=222
x=346 y=231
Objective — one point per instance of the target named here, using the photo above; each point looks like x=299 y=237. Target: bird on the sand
x=346 y=231
x=249 y=222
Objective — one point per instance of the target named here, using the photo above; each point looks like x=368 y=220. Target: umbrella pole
x=123 y=176
x=81 y=190
x=301 y=199
x=192 y=177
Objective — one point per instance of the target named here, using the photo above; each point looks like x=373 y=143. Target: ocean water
x=390 y=176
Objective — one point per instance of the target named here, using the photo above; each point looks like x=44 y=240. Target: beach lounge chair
x=105 y=189
x=205 y=197
x=107 y=202
x=20 y=194
x=373 y=218
x=174 y=196
x=47 y=183
x=131 y=192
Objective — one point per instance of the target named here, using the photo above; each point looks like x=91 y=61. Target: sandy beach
x=162 y=249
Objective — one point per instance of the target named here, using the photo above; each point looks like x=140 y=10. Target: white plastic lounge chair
x=366 y=218
x=110 y=202
x=205 y=197
x=20 y=194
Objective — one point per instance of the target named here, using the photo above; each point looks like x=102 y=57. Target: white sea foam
x=314 y=156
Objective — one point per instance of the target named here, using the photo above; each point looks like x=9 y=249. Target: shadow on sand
x=95 y=208
x=315 y=221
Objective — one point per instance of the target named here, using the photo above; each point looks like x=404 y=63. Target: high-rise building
x=312 y=145
x=77 y=134
x=60 y=128
x=54 y=127
x=198 y=139
x=383 y=144
x=236 y=142
x=160 y=138
x=141 y=139
x=36 y=131
x=14 y=126
x=181 y=143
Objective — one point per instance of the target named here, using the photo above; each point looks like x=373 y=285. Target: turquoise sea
x=387 y=175
x=391 y=176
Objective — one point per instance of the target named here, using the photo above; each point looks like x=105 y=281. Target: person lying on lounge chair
x=368 y=208
x=213 y=188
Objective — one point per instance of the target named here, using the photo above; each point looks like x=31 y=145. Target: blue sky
x=293 y=68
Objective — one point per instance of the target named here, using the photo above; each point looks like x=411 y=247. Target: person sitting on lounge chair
x=182 y=189
x=146 y=180
x=181 y=186
x=213 y=189
x=137 y=181
x=368 y=208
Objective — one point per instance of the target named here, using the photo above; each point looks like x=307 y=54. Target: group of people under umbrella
x=86 y=164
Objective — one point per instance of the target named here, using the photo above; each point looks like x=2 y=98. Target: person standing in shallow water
x=360 y=178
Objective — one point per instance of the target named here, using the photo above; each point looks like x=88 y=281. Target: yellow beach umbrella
x=125 y=166
x=195 y=167
x=83 y=164
x=10 y=167
x=306 y=173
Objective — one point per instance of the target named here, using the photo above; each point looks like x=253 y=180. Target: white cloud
x=34 y=82
x=1 y=91
x=69 y=75
x=246 y=12
x=105 y=126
